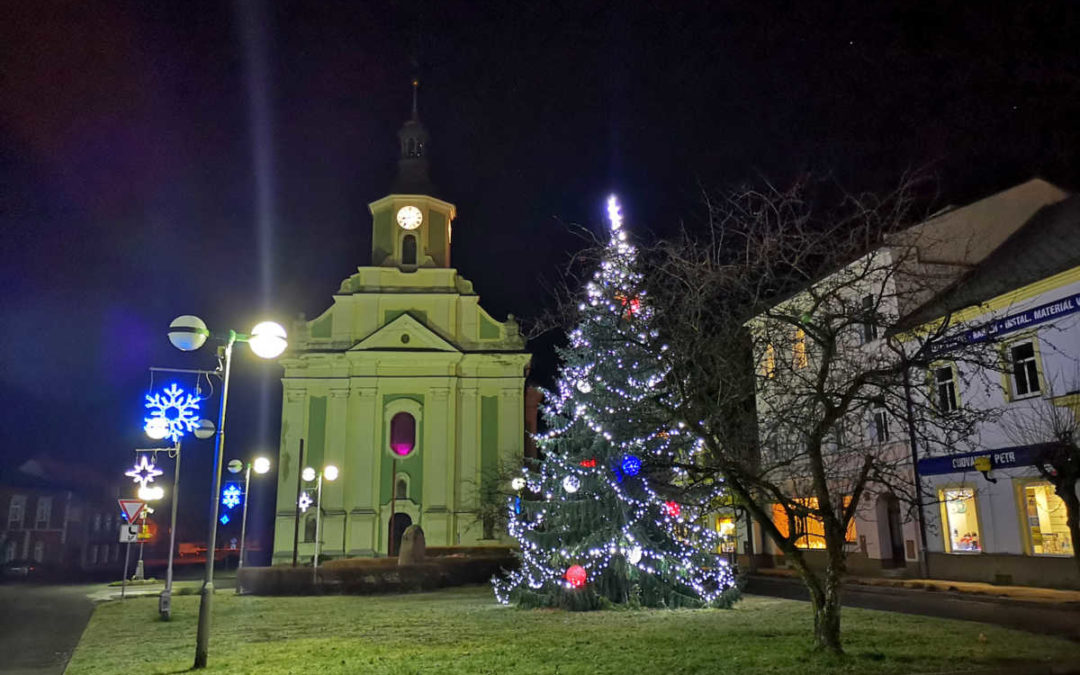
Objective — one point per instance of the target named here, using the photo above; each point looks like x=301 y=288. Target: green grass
x=463 y=631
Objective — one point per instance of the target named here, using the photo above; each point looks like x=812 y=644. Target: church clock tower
x=405 y=384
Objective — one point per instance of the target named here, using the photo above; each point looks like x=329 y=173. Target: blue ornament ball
x=631 y=465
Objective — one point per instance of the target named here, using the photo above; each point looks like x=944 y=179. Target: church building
x=405 y=385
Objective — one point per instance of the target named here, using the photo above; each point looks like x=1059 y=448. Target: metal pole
x=318 y=521
x=243 y=521
x=142 y=542
x=123 y=579
x=393 y=504
x=299 y=489
x=165 y=604
x=202 y=639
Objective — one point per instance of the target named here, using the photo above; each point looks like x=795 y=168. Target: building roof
x=1045 y=244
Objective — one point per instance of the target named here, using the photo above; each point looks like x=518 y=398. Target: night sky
x=159 y=159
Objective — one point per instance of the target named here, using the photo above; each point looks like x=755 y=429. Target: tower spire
x=412 y=176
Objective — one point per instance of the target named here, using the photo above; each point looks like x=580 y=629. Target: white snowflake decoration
x=143 y=472
x=230 y=496
x=305 y=502
x=175 y=409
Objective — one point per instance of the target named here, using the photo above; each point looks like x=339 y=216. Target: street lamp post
x=330 y=472
x=267 y=340
x=261 y=465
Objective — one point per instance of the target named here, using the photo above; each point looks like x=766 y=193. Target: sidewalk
x=1047 y=596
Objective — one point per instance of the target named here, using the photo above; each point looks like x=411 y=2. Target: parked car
x=20 y=569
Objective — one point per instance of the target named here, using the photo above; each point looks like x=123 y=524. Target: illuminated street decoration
x=231 y=496
x=143 y=472
x=305 y=502
x=173 y=408
x=224 y=519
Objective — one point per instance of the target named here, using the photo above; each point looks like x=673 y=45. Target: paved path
x=40 y=627
x=1035 y=618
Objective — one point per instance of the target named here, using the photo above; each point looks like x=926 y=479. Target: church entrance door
x=398 y=524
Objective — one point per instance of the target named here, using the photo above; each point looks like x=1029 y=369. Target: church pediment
x=404 y=333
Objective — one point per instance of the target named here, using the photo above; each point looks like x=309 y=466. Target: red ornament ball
x=575 y=574
x=673 y=509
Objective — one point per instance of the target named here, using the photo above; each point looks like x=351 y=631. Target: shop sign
x=983 y=460
x=1032 y=317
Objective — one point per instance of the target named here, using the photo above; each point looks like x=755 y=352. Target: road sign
x=129 y=533
x=132 y=508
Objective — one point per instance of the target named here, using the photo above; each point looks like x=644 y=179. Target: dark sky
x=129 y=192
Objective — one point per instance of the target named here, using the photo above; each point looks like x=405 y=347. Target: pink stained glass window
x=402 y=433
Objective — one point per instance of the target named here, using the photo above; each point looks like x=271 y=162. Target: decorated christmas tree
x=607 y=515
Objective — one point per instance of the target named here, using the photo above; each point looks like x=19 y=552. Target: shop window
x=1046 y=521
x=869 y=325
x=725 y=529
x=768 y=363
x=810 y=530
x=945 y=388
x=402 y=433
x=959 y=514
x=1025 y=370
x=799 y=358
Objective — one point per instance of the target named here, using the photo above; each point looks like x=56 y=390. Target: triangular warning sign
x=132 y=508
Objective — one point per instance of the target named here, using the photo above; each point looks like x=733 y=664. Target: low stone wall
x=1006 y=570
x=364 y=576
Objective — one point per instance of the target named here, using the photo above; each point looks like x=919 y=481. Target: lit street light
x=330 y=473
x=188 y=333
x=261 y=466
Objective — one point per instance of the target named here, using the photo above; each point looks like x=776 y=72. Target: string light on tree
x=572 y=531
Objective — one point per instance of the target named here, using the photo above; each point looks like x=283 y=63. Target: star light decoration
x=174 y=409
x=231 y=496
x=144 y=471
x=304 y=502
x=620 y=360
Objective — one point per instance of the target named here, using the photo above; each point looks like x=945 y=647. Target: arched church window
x=401 y=491
x=309 y=529
x=402 y=433
x=408 y=250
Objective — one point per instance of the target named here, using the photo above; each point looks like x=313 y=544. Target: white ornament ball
x=571 y=484
x=634 y=556
x=518 y=483
x=584 y=387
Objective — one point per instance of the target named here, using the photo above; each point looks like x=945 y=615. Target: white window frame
x=17 y=512
x=1031 y=365
x=950 y=384
x=43 y=513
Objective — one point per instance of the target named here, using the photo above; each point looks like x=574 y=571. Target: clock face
x=409 y=217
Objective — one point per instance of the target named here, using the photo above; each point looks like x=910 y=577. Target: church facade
x=406 y=385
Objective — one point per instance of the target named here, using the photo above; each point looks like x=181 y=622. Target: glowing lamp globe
x=267 y=340
x=576 y=575
x=205 y=429
x=187 y=333
x=261 y=465
x=149 y=493
x=330 y=472
x=157 y=428
x=308 y=474
x=235 y=466
x=517 y=483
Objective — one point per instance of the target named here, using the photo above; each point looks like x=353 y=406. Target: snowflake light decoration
x=143 y=472
x=305 y=502
x=230 y=496
x=177 y=409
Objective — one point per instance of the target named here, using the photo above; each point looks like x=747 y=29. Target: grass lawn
x=462 y=630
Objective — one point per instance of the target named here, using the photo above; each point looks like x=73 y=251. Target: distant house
x=60 y=515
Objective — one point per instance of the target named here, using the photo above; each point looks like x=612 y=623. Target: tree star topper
x=177 y=409
x=144 y=471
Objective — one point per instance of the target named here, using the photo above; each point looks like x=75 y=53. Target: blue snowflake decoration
x=231 y=496
x=174 y=409
x=631 y=465
x=224 y=519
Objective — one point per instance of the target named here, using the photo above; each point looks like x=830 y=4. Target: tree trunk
x=826 y=601
x=1072 y=517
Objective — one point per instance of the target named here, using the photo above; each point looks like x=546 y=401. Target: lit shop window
x=799 y=359
x=810 y=528
x=958 y=513
x=1046 y=521
x=725 y=528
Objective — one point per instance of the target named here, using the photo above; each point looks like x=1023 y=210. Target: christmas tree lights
x=595 y=520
